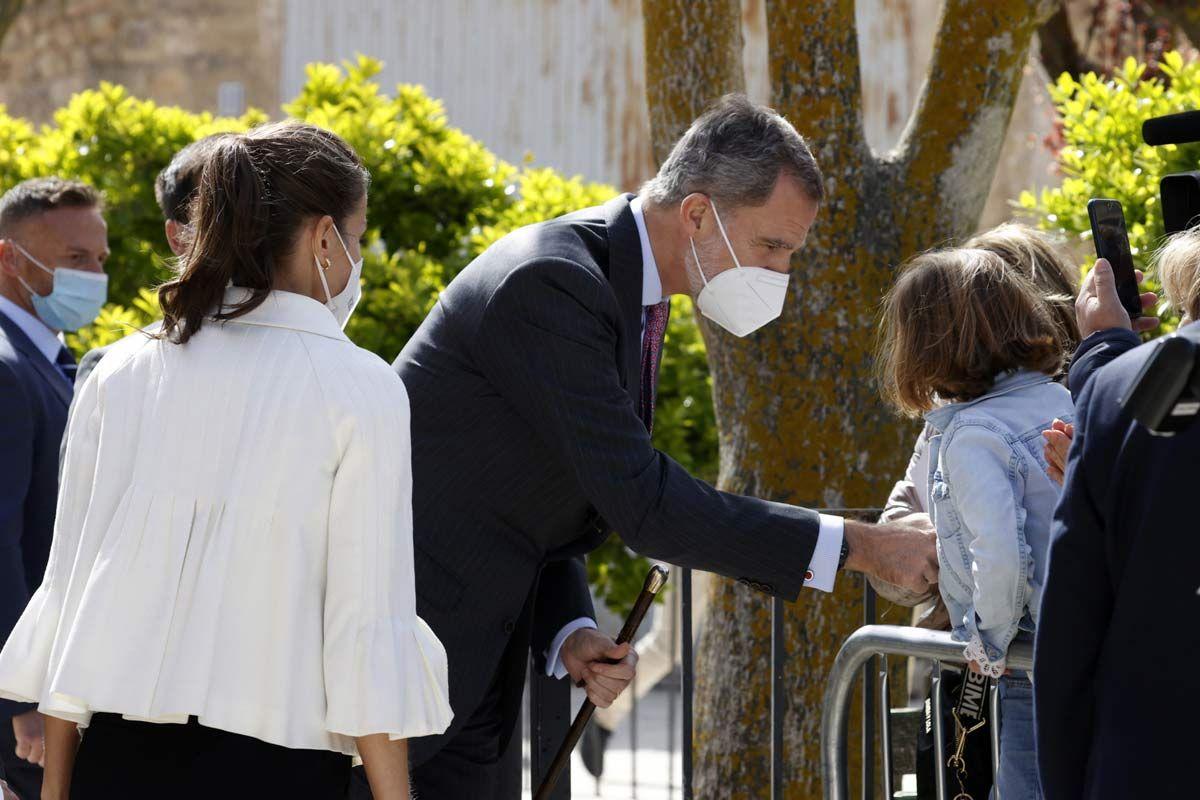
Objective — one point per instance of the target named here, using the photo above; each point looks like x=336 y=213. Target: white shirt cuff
x=822 y=570
x=554 y=665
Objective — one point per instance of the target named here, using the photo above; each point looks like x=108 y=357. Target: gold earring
x=328 y=263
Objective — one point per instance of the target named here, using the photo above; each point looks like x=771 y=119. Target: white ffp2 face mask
x=743 y=299
x=343 y=304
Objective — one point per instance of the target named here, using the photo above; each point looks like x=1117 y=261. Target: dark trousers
x=22 y=777
x=142 y=760
x=468 y=767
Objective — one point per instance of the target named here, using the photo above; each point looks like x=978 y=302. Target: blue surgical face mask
x=75 y=300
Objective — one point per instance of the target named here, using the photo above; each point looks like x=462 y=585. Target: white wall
x=563 y=80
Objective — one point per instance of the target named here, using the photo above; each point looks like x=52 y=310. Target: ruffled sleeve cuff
x=976 y=651
x=25 y=662
x=395 y=681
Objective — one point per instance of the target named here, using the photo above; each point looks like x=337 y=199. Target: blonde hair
x=1035 y=255
x=953 y=321
x=1178 y=266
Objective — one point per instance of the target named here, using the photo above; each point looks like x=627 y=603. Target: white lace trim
x=975 y=651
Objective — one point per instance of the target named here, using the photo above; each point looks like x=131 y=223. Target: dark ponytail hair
x=256 y=192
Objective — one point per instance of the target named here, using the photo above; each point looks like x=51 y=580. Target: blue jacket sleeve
x=1094 y=352
x=16 y=470
x=1076 y=607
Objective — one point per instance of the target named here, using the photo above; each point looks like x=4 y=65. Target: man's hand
x=1058 y=444
x=1098 y=307
x=587 y=654
x=903 y=553
x=890 y=591
x=29 y=730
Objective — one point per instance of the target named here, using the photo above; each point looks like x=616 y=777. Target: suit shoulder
x=580 y=241
x=13 y=377
x=8 y=351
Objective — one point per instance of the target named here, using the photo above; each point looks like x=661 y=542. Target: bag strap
x=969 y=716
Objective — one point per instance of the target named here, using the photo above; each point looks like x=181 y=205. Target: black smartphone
x=1112 y=244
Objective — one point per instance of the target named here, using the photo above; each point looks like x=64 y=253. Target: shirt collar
x=44 y=339
x=288 y=310
x=1005 y=383
x=652 y=292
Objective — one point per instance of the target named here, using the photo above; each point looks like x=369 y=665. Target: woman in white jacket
x=229 y=608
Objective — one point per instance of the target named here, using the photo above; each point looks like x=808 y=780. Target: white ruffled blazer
x=234 y=542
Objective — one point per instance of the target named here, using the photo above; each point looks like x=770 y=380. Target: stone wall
x=176 y=52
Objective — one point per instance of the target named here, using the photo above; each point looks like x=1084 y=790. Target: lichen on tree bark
x=799 y=416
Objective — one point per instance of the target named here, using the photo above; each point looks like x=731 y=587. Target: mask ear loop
x=345 y=249
x=696 y=256
x=37 y=264
x=351 y=262
x=736 y=263
x=721 y=228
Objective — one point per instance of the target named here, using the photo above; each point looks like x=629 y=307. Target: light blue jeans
x=1018 y=776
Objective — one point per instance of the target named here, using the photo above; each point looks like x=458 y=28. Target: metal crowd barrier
x=549 y=699
x=863 y=645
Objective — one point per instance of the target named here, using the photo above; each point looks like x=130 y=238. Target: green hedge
x=1102 y=153
x=438 y=198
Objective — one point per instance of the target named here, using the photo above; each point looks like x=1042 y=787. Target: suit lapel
x=625 y=275
x=48 y=371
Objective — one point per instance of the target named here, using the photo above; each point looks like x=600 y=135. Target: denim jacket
x=992 y=502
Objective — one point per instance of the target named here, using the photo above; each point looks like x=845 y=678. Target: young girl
x=970 y=343
x=1034 y=255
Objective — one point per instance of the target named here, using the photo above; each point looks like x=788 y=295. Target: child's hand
x=974 y=667
x=1058 y=444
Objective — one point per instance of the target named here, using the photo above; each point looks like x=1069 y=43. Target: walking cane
x=655 y=580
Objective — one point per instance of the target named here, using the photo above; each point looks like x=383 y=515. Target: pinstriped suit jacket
x=524 y=388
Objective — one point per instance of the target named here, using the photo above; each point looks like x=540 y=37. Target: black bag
x=968 y=693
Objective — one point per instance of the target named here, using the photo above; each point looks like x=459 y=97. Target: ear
x=694 y=213
x=323 y=238
x=171 y=229
x=8 y=257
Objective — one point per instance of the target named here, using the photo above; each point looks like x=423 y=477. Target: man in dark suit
x=532 y=386
x=53 y=243
x=1117 y=638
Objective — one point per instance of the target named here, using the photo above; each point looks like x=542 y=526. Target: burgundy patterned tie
x=652 y=342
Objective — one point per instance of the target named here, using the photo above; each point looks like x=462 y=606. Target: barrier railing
x=866 y=643
x=549 y=699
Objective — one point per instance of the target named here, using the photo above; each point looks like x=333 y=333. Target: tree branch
x=9 y=10
x=1059 y=49
x=1184 y=14
x=951 y=146
x=815 y=76
x=693 y=56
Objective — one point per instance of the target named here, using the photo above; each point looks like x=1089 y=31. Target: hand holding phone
x=1112 y=244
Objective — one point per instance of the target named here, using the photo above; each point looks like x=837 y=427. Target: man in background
x=1122 y=584
x=173 y=189
x=53 y=244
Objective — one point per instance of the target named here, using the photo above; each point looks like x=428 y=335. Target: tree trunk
x=799 y=416
x=1058 y=48
x=9 y=9
x=1185 y=14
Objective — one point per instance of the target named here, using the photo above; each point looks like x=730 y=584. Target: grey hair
x=734 y=152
